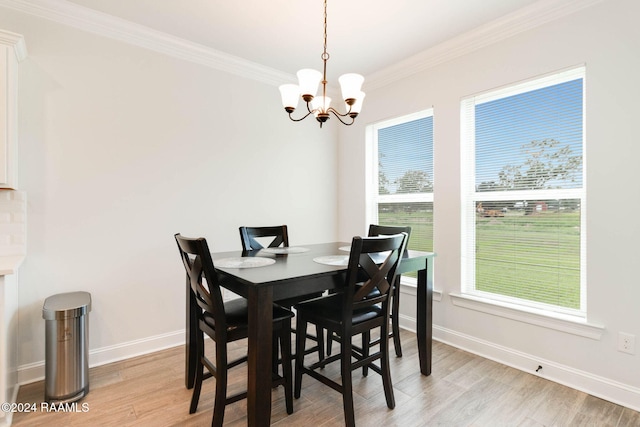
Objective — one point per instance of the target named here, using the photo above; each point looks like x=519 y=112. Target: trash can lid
x=67 y=305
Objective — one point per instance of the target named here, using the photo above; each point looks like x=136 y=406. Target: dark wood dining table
x=296 y=274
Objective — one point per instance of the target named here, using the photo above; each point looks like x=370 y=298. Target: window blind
x=524 y=194
x=402 y=181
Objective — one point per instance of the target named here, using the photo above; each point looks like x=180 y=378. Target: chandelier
x=319 y=106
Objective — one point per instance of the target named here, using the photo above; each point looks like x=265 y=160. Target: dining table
x=268 y=275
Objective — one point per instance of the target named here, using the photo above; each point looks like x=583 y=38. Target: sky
x=553 y=112
x=404 y=147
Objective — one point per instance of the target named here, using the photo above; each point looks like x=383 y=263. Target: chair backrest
x=202 y=278
x=248 y=236
x=388 y=230
x=374 y=259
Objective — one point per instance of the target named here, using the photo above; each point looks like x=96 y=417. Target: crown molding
x=71 y=14
x=522 y=20
x=16 y=41
x=86 y=19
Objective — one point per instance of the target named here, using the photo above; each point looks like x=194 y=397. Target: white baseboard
x=7 y=418
x=101 y=356
x=604 y=388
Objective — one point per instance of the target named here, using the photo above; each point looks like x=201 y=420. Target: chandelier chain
x=325 y=54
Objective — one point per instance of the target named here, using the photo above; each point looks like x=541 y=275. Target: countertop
x=10 y=264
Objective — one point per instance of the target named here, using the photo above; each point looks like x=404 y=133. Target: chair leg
x=221 y=386
x=386 y=371
x=197 y=385
x=320 y=338
x=395 y=317
x=347 y=386
x=274 y=355
x=301 y=337
x=329 y=342
x=285 y=348
x=366 y=339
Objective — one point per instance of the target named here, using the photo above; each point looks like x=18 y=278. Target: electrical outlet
x=626 y=343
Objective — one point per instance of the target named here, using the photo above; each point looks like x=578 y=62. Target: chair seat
x=237 y=312
x=329 y=309
x=373 y=294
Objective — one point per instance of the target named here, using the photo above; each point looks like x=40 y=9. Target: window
x=401 y=176
x=523 y=191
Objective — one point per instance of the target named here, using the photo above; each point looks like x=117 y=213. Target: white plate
x=287 y=250
x=348 y=249
x=243 y=262
x=339 y=260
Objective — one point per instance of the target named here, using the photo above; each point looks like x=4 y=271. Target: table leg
x=190 y=339
x=425 y=317
x=259 y=356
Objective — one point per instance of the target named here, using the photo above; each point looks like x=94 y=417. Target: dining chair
x=279 y=236
x=225 y=322
x=387 y=230
x=249 y=236
x=355 y=309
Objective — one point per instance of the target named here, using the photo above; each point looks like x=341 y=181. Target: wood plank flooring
x=463 y=390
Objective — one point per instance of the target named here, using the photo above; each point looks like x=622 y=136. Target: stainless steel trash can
x=67 y=351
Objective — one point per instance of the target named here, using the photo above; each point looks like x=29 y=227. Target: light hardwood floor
x=463 y=390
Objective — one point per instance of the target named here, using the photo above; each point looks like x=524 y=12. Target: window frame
x=470 y=196
x=373 y=198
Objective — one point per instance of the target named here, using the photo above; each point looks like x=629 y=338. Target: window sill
x=566 y=324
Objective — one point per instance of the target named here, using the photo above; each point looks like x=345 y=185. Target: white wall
x=120 y=148
x=605 y=37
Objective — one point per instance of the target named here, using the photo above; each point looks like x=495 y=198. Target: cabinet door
x=5 y=101
x=12 y=50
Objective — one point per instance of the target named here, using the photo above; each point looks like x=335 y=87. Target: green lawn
x=421 y=223
x=534 y=257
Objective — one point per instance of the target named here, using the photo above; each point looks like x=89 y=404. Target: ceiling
x=364 y=36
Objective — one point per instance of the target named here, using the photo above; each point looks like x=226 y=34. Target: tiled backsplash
x=13 y=222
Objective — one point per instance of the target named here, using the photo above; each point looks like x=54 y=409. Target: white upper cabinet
x=12 y=51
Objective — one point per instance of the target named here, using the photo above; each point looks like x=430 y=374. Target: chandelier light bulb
x=320 y=104
x=290 y=96
x=351 y=85
x=308 y=81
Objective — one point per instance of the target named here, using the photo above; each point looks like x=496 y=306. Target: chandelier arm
x=339 y=116
x=310 y=111
x=301 y=118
